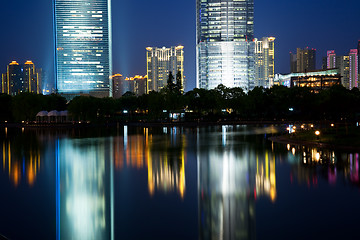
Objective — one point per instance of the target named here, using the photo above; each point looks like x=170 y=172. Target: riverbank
x=83 y=124
x=343 y=137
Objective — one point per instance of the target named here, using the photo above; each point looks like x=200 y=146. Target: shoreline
x=72 y=125
x=284 y=139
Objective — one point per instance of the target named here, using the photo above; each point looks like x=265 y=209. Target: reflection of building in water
x=354 y=167
x=266 y=176
x=165 y=161
x=333 y=166
x=20 y=163
x=226 y=191
x=84 y=189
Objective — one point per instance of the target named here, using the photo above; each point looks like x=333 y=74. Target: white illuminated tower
x=264 y=62
x=83 y=47
x=225 y=47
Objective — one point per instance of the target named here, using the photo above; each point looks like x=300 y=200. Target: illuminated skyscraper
x=13 y=79
x=21 y=78
x=264 y=62
x=225 y=47
x=162 y=61
x=354 y=71
x=83 y=47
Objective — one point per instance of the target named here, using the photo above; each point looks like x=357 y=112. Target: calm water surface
x=223 y=182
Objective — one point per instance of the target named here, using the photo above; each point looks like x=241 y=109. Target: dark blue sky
x=26 y=28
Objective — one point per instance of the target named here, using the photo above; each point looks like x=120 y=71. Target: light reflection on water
x=235 y=168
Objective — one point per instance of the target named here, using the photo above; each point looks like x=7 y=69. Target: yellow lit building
x=162 y=61
x=21 y=78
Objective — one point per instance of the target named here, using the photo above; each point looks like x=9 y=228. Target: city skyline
x=131 y=38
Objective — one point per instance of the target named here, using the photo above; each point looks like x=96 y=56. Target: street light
x=317 y=133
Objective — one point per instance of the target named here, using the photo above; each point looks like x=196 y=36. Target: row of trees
x=275 y=103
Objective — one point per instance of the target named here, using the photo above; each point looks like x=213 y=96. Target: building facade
x=315 y=80
x=305 y=60
x=225 y=43
x=264 y=62
x=21 y=78
x=162 y=61
x=83 y=47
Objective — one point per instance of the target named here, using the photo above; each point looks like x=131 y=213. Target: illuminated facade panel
x=83 y=47
x=162 y=61
x=264 y=62
x=225 y=47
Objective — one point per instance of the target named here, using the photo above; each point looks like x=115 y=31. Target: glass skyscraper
x=225 y=47
x=83 y=47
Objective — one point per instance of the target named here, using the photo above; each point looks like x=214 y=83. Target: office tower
x=31 y=79
x=353 y=68
x=331 y=59
x=162 y=61
x=14 y=78
x=305 y=60
x=264 y=62
x=343 y=64
x=224 y=46
x=83 y=47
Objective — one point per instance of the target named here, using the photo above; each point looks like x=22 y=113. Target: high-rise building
x=353 y=68
x=264 y=62
x=83 y=47
x=118 y=85
x=162 y=61
x=331 y=59
x=225 y=43
x=137 y=84
x=14 y=78
x=21 y=78
x=347 y=65
x=305 y=60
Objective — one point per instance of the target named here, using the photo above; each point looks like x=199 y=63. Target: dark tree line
x=221 y=103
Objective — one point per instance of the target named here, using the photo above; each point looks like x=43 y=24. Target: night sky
x=27 y=30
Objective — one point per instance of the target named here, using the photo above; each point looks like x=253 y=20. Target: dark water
x=224 y=182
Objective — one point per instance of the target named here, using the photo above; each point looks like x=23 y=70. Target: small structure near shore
x=52 y=117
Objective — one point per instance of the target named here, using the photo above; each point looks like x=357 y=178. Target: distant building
x=264 y=62
x=162 y=61
x=347 y=65
x=305 y=60
x=136 y=85
x=353 y=69
x=118 y=85
x=315 y=80
x=293 y=62
x=21 y=78
x=331 y=59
